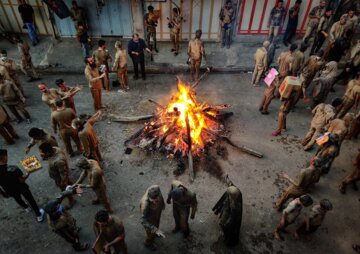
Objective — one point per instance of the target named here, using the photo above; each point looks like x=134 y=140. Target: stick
x=134 y=136
x=190 y=158
x=208 y=69
x=241 y=148
x=157 y=104
x=115 y=118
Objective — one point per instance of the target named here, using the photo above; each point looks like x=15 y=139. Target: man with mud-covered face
x=94 y=78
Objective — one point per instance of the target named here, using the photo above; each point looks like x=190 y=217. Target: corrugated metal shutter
x=114 y=19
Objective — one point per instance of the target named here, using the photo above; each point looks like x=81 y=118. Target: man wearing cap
x=12 y=183
x=315 y=218
x=151 y=206
x=314 y=17
x=62 y=223
x=183 y=199
x=8 y=70
x=196 y=51
x=322 y=115
x=58 y=167
x=14 y=99
x=290 y=213
x=231 y=215
x=87 y=135
x=307 y=178
x=49 y=96
x=95 y=84
x=61 y=120
x=39 y=136
x=261 y=63
x=175 y=26
x=226 y=17
x=68 y=92
x=110 y=234
x=95 y=174
x=151 y=23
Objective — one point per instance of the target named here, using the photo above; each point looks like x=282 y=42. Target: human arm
x=357 y=99
x=169 y=197
x=81 y=178
x=17 y=92
x=54 y=124
x=189 y=49
x=119 y=238
x=31 y=144
x=92 y=79
x=93 y=119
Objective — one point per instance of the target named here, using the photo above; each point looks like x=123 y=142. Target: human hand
x=102 y=75
x=168 y=201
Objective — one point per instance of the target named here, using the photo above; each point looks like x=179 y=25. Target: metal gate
x=11 y=20
x=198 y=14
x=254 y=15
x=114 y=19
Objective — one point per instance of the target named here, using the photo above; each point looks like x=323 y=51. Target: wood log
x=190 y=158
x=134 y=136
x=216 y=107
x=157 y=104
x=241 y=148
x=126 y=119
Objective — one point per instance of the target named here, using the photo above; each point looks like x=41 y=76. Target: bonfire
x=185 y=128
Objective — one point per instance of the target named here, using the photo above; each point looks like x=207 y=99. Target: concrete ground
x=128 y=176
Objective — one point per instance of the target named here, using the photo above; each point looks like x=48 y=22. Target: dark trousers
x=26 y=193
x=136 y=61
x=318 y=42
x=15 y=110
x=8 y=132
x=290 y=31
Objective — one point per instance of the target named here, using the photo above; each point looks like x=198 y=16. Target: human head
x=336 y=102
x=3 y=156
x=78 y=124
x=322 y=4
x=46 y=151
x=298 y=3
x=177 y=193
x=60 y=83
x=59 y=103
x=266 y=44
x=280 y=3
x=351 y=12
x=150 y=8
x=303 y=47
x=43 y=87
x=102 y=217
x=74 y=4
x=53 y=209
x=228 y=4
x=306 y=200
x=118 y=45
x=83 y=163
x=293 y=47
x=328 y=12
x=198 y=33
x=176 y=11
x=91 y=62
x=326 y=204
x=154 y=193
x=348 y=118
x=36 y=133
x=343 y=19
x=136 y=37
x=101 y=44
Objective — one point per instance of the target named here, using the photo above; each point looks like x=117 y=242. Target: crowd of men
x=318 y=74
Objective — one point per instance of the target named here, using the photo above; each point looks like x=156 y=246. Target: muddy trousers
x=102 y=197
x=281 y=121
x=26 y=193
x=15 y=109
x=175 y=39
x=310 y=137
x=151 y=34
x=258 y=71
x=66 y=136
x=265 y=102
x=27 y=67
x=8 y=132
x=195 y=69
x=123 y=77
x=181 y=216
x=96 y=94
x=291 y=192
x=344 y=107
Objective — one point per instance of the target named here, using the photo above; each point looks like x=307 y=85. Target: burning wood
x=184 y=128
